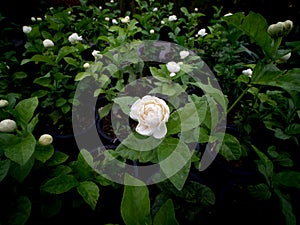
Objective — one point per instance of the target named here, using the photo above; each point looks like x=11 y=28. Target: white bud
x=196 y=9
x=48 y=43
x=3 y=103
x=33 y=19
x=152 y=31
x=27 y=29
x=8 y=125
x=86 y=65
x=45 y=139
x=106 y=18
x=155 y=9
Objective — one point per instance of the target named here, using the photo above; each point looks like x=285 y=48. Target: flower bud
x=86 y=65
x=45 y=139
x=48 y=43
x=26 y=29
x=8 y=125
x=276 y=30
x=3 y=103
x=284 y=58
x=288 y=26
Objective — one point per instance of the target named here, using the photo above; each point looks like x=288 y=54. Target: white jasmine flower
x=33 y=19
x=8 y=125
x=106 y=18
x=228 y=14
x=114 y=21
x=48 y=43
x=45 y=139
x=97 y=54
x=3 y=103
x=247 y=72
x=152 y=113
x=155 y=9
x=152 y=31
x=196 y=9
x=27 y=29
x=126 y=19
x=162 y=22
x=74 y=38
x=184 y=54
x=172 y=18
x=202 y=32
x=173 y=68
x=86 y=65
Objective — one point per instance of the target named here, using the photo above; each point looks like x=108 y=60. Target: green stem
x=277 y=43
x=238 y=99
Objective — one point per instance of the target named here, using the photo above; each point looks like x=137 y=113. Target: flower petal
x=160 y=131
x=144 y=130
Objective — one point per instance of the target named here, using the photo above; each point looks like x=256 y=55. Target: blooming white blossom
x=172 y=18
x=33 y=19
x=152 y=113
x=86 y=65
x=114 y=21
x=155 y=9
x=126 y=19
x=27 y=29
x=45 y=139
x=97 y=54
x=228 y=14
x=74 y=38
x=152 y=31
x=202 y=32
x=183 y=54
x=8 y=125
x=3 y=103
x=173 y=68
x=48 y=43
x=247 y=72
x=106 y=18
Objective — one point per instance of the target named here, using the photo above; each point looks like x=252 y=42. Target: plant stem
x=277 y=43
x=238 y=99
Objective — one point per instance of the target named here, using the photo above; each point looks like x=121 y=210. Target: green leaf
x=125 y=103
x=66 y=50
x=60 y=184
x=21 y=211
x=231 y=148
x=166 y=214
x=19 y=172
x=175 y=161
x=57 y=158
x=25 y=110
x=21 y=148
x=286 y=208
x=260 y=191
x=90 y=193
x=4 y=167
x=43 y=153
x=255 y=26
x=105 y=110
x=135 y=205
x=72 y=61
x=288 y=179
x=42 y=58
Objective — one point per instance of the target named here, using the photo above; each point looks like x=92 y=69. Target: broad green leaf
x=44 y=81
x=260 y=191
x=61 y=169
x=125 y=103
x=105 y=110
x=286 y=208
x=19 y=172
x=175 y=161
x=168 y=89
x=21 y=148
x=72 y=61
x=90 y=193
x=25 y=110
x=21 y=211
x=60 y=184
x=135 y=205
x=288 y=179
x=166 y=214
x=42 y=58
x=231 y=148
x=66 y=50
x=43 y=153
x=57 y=158
x=4 y=167
x=265 y=166
x=255 y=26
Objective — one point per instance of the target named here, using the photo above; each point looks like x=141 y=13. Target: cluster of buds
x=280 y=29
